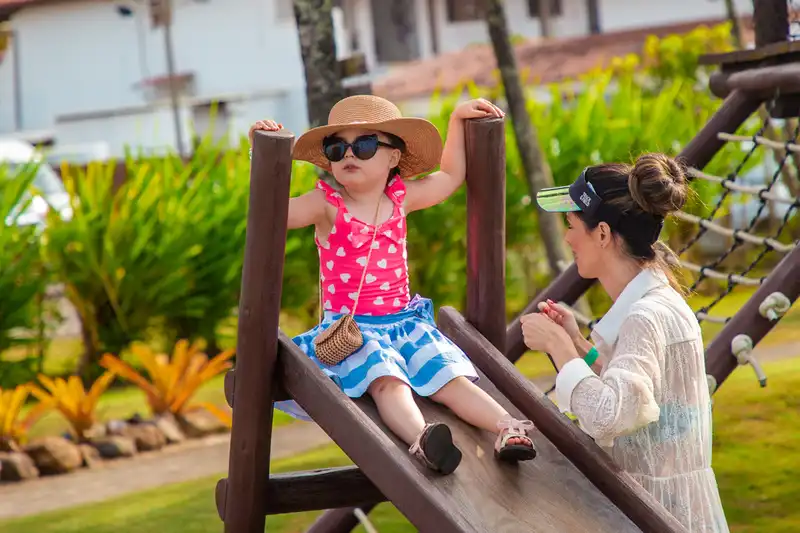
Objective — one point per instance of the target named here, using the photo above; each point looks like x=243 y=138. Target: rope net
x=740 y=224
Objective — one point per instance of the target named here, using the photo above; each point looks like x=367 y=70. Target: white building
x=81 y=71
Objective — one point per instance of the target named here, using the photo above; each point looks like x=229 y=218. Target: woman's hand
x=561 y=316
x=477 y=108
x=542 y=333
x=266 y=125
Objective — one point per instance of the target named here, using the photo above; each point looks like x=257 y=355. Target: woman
x=650 y=406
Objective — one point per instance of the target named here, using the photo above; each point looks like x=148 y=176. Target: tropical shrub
x=23 y=279
x=69 y=397
x=173 y=381
x=13 y=426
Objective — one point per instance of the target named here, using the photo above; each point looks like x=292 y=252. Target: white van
x=15 y=153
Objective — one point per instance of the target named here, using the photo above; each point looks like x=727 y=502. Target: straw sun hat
x=423 y=142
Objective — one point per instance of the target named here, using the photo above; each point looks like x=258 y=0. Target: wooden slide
x=546 y=494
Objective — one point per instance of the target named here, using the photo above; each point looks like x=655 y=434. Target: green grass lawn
x=756 y=432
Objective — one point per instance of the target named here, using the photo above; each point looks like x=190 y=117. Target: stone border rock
x=55 y=455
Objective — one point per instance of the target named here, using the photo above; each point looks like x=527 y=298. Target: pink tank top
x=343 y=255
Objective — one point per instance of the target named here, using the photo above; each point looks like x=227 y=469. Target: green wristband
x=591 y=356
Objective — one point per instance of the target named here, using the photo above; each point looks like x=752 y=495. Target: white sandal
x=511 y=428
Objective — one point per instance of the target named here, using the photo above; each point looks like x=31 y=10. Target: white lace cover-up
x=650 y=408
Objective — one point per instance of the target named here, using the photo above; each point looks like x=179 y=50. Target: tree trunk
x=736 y=33
x=545 y=20
x=318 y=48
x=593 y=14
x=534 y=163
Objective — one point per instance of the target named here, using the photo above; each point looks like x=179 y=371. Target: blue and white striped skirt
x=404 y=345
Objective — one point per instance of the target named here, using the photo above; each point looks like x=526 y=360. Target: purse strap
x=366 y=265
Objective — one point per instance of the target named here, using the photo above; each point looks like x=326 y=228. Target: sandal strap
x=416 y=448
x=512 y=425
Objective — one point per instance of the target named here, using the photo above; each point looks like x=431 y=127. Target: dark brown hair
x=646 y=192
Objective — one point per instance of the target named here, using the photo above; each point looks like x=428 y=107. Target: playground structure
x=572 y=485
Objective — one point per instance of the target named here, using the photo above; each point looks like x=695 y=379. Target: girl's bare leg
x=473 y=405
x=397 y=408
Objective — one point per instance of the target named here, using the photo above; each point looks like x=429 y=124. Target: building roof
x=9 y=6
x=541 y=61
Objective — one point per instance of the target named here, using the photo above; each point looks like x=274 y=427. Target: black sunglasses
x=364 y=147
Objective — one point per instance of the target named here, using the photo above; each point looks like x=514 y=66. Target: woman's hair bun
x=658 y=184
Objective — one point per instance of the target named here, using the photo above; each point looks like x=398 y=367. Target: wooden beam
x=328 y=488
x=338 y=520
x=760 y=82
x=366 y=444
x=567 y=287
x=752 y=57
x=243 y=502
x=784 y=278
x=736 y=108
x=486 y=228
x=598 y=466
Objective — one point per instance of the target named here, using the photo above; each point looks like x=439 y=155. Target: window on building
x=534 y=7
x=465 y=10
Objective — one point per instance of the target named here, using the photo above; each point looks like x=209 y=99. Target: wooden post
x=486 y=228
x=771 y=21
x=243 y=493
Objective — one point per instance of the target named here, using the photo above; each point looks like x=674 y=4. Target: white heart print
x=392 y=249
x=329 y=264
x=379 y=300
x=348 y=217
x=333 y=230
x=371 y=278
x=388 y=233
x=362 y=261
x=340 y=252
x=365 y=230
x=385 y=286
x=344 y=309
x=397 y=302
x=376 y=245
x=345 y=277
x=331 y=289
x=353 y=296
x=382 y=263
x=398 y=272
x=328 y=305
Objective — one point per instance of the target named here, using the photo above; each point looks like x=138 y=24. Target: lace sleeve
x=623 y=398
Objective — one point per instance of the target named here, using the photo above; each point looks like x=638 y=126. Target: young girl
x=361 y=236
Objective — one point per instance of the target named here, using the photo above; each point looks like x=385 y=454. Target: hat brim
x=423 y=143
x=556 y=200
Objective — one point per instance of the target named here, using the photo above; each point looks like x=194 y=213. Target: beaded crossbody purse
x=342 y=338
